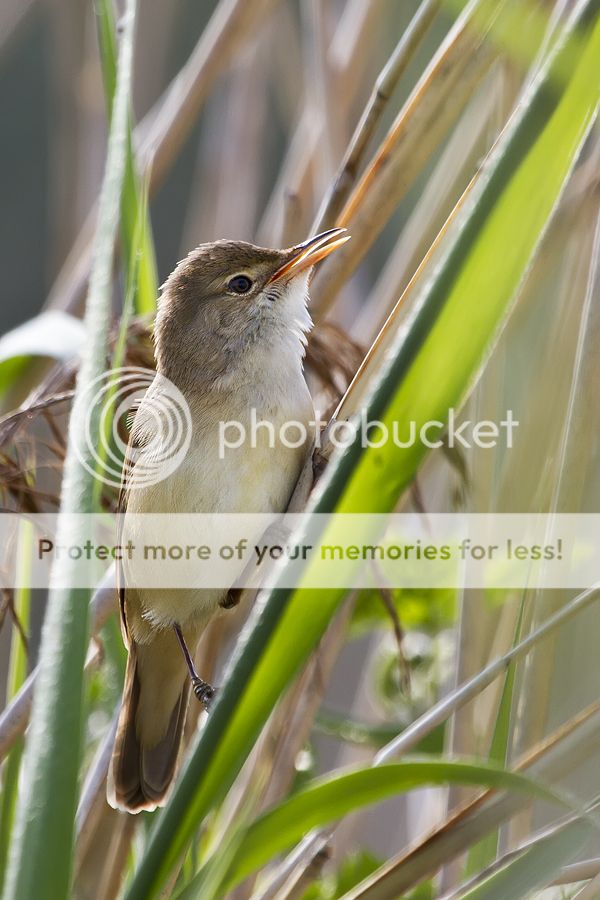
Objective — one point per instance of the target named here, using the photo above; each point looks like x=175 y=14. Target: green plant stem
x=41 y=850
x=17 y=673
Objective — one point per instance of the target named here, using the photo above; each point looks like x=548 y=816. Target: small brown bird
x=230 y=335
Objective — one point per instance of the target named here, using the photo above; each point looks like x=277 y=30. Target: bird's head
x=229 y=299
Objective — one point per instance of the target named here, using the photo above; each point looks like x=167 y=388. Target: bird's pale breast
x=258 y=476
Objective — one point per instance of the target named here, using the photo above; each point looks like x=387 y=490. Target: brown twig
x=16 y=620
x=300 y=707
x=403 y=668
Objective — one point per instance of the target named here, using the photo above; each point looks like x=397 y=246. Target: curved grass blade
x=549 y=762
x=52 y=334
x=330 y=798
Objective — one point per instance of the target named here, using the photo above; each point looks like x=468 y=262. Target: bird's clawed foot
x=204 y=692
x=202 y=689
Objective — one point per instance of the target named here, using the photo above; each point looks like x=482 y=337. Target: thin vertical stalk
x=42 y=847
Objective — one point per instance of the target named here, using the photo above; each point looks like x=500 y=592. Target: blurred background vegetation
x=455 y=141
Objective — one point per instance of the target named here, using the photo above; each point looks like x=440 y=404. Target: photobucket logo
x=113 y=401
x=373 y=433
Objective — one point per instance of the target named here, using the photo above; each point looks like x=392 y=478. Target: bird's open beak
x=306 y=255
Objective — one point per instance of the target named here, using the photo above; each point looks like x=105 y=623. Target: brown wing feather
x=140 y=773
x=128 y=468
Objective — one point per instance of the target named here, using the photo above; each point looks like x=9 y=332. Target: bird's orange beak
x=306 y=255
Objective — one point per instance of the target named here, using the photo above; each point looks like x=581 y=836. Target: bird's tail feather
x=142 y=768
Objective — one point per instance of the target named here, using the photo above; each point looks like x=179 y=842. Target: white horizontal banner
x=197 y=551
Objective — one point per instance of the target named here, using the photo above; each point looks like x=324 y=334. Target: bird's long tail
x=148 y=739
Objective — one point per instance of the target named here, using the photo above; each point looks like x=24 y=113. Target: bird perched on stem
x=230 y=335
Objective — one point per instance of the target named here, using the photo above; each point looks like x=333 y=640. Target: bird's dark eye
x=240 y=284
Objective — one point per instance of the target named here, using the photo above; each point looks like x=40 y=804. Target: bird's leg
x=203 y=691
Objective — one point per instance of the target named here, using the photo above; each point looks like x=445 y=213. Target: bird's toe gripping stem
x=204 y=692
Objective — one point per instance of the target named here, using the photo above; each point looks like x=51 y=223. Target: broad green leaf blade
x=41 y=849
x=429 y=371
x=136 y=228
x=331 y=798
x=53 y=334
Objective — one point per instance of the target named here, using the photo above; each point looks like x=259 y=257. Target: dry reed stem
x=294 y=175
x=319 y=98
x=375 y=357
x=93 y=793
x=548 y=761
x=233 y=22
x=583 y=184
x=461 y=157
x=590 y=892
x=430 y=112
x=501 y=861
x=579 y=871
x=272 y=765
x=581 y=272
x=293 y=178
x=439 y=713
x=101 y=875
x=291 y=227
x=291 y=732
x=15 y=717
x=228 y=171
x=385 y=85
x=118 y=855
